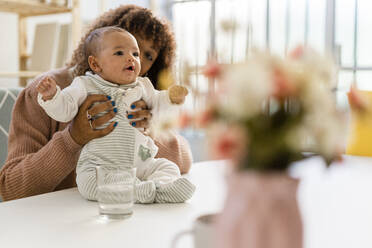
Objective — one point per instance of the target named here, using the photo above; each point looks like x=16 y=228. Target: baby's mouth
x=130 y=68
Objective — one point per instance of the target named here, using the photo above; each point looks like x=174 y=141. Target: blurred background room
x=40 y=35
x=278 y=122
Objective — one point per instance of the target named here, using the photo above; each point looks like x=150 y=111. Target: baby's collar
x=107 y=83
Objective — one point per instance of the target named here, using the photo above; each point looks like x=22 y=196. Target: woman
x=42 y=153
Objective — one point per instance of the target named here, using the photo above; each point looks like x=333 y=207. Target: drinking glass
x=115 y=191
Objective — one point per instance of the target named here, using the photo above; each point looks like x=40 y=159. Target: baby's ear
x=93 y=64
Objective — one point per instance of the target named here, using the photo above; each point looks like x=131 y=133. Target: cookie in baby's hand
x=177 y=94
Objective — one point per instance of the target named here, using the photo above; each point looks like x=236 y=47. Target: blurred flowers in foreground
x=265 y=113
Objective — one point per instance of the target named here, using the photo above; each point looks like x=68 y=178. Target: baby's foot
x=145 y=191
x=177 y=191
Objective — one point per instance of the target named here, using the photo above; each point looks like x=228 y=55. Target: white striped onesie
x=159 y=179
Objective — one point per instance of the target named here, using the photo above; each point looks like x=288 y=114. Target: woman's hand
x=82 y=129
x=141 y=115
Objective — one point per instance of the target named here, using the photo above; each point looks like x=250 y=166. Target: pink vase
x=261 y=211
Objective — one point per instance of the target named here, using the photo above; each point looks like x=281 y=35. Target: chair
x=7 y=99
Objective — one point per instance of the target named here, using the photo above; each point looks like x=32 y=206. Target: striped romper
x=158 y=179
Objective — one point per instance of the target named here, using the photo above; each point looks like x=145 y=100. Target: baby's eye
x=148 y=56
x=119 y=53
x=135 y=54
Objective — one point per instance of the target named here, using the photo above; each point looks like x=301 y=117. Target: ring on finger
x=89 y=116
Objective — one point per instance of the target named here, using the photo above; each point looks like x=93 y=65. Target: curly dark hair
x=138 y=21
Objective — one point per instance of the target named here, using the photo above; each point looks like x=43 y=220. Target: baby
x=113 y=57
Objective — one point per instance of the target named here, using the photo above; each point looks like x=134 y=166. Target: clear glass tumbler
x=115 y=191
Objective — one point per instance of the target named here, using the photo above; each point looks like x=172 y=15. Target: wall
x=9 y=41
x=9 y=26
x=8 y=47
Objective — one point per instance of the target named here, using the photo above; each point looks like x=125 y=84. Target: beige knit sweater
x=42 y=156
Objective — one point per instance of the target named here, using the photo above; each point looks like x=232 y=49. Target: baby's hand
x=177 y=94
x=47 y=87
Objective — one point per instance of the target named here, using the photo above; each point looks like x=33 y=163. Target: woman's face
x=148 y=54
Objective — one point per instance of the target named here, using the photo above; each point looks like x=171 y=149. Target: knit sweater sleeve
x=175 y=148
x=38 y=159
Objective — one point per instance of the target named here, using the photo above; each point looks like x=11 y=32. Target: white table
x=65 y=219
x=336 y=205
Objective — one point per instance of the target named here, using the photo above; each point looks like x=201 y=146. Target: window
x=354 y=38
x=339 y=26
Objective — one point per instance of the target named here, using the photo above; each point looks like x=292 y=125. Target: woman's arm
x=174 y=147
x=38 y=159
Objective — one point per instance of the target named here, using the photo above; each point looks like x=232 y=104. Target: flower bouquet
x=269 y=111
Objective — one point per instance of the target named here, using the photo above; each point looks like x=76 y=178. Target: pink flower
x=206 y=117
x=185 y=120
x=356 y=100
x=229 y=143
x=227 y=146
x=283 y=87
x=297 y=53
x=212 y=69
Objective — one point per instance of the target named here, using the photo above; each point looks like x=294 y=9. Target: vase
x=260 y=211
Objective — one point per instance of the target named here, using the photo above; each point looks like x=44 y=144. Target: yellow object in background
x=360 y=131
x=165 y=79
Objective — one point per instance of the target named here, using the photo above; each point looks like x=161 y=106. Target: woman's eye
x=148 y=56
x=135 y=54
x=119 y=53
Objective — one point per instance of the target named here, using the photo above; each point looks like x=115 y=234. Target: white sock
x=145 y=191
x=177 y=191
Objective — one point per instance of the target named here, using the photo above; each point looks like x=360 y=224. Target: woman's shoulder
x=63 y=77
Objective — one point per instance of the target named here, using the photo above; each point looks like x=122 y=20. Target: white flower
x=319 y=66
x=246 y=87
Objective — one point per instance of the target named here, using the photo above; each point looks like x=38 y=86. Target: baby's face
x=119 y=58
